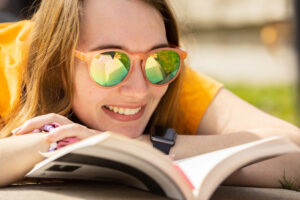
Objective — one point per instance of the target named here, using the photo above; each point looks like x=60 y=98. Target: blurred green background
x=248 y=45
x=277 y=100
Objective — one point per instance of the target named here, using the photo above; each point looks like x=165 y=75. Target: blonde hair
x=47 y=85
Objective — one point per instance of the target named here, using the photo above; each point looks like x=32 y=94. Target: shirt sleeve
x=14 y=47
x=198 y=91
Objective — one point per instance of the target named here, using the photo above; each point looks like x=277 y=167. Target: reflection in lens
x=154 y=71
x=162 y=66
x=109 y=68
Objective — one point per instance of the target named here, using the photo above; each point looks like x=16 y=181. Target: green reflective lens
x=162 y=66
x=109 y=68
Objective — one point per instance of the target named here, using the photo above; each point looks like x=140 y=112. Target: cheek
x=82 y=82
x=87 y=94
x=159 y=92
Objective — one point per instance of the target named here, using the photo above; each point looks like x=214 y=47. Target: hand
x=66 y=129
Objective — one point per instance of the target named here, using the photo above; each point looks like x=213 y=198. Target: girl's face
x=130 y=25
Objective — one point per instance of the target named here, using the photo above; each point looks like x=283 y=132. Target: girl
x=115 y=65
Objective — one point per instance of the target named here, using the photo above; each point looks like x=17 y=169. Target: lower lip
x=124 y=118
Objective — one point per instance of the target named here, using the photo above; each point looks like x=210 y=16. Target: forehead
x=132 y=24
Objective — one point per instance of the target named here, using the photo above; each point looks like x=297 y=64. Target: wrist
x=172 y=153
x=163 y=138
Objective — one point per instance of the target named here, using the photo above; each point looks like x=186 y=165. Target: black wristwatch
x=163 y=138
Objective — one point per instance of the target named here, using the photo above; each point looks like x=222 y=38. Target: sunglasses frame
x=88 y=57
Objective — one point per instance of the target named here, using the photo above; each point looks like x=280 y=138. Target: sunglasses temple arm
x=80 y=55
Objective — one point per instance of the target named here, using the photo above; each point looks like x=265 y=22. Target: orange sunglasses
x=110 y=67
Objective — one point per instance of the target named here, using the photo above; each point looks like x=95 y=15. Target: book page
x=110 y=157
x=207 y=171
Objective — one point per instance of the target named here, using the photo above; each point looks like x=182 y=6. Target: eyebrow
x=111 y=46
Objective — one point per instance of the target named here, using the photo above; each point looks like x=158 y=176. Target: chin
x=130 y=132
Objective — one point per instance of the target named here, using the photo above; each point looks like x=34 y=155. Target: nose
x=135 y=87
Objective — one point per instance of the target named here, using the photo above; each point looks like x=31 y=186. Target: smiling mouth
x=122 y=113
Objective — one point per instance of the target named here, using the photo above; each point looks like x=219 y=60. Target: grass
x=289 y=184
x=277 y=100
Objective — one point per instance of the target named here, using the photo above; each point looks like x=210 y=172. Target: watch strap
x=165 y=148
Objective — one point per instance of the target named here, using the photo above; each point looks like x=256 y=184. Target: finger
x=70 y=130
x=171 y=156
x=38 y=122
x=66 y=141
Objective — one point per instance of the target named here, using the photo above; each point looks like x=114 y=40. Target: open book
x=115 y=158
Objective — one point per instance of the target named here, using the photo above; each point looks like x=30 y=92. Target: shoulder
x=200 y=83
x=227 y=113
x=198 y=91
x=15 y=31
x=14 y=48
x=14 y=41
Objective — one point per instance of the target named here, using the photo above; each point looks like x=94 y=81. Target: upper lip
x=127 y=106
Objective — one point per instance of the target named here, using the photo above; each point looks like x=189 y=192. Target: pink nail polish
x=36 y=131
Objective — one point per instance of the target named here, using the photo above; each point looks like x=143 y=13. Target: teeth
x=124 y=111
x=115 y=109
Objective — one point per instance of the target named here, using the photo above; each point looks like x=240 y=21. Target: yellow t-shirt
x=197 y=93
x=14 y=47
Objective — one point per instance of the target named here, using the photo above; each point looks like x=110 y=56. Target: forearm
x=191 y=145
x=18 y=155
x=264 y=174
x=268 y=173
x=292 y=133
